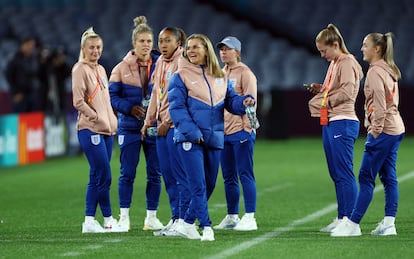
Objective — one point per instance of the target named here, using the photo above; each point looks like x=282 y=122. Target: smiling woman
x=96 y=127
x=198 y=93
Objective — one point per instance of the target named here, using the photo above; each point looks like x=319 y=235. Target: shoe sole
x=350 y=235
x=150 y=228
x=244 y=229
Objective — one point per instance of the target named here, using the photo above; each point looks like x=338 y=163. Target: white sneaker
x=124 y=222
x=246 y=224
x=383 y=230
x=152 y=223
x=333 y=225
x=92 y=227
x=208 y=234
x=188 y=230
x=113 y=226
x=229 y=222
x=346 y=228
x=169 y=229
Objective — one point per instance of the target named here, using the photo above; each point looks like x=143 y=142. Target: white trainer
x=346 y=228
x=92 y=227
x=208 y=234
x=188 y=230
x=246 y=224
x=152 y=223
x=124 y=222
x=229 y=222
x=384 y=230
x=113 y=226
x=333 y=225
x=169 y=229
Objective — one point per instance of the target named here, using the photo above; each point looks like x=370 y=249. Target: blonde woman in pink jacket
x=96 y=126
x=334 y=104
x=385 y=133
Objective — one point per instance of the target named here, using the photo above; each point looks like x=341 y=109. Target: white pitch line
x=278 y=231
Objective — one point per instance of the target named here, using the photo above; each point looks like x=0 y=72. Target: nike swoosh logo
x=242 y=141
x=337 y=136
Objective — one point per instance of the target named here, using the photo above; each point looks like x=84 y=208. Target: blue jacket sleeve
x=234 y=102
x=184 y=124
x=118 y=103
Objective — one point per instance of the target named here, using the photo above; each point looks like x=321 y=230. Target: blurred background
x=277 y=43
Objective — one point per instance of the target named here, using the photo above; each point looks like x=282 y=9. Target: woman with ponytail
x=334 y=104
x=385 y=132
x=130 y=90
x=96 y=128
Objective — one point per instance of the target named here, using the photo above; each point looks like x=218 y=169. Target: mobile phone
x=307 y=86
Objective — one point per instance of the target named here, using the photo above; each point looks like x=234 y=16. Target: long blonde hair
x=331 y=34
x=212 y=66
x=384 y=41
x=89 y=33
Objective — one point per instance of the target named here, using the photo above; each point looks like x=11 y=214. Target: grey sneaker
x=228 y=222
x=384 y=230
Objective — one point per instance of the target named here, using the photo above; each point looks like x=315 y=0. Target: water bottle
x=152 y=131
x=251 y=114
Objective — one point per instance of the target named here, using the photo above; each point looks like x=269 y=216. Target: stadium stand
x=277 y=35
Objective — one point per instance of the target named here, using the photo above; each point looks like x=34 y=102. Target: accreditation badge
x=104 y=82
x=324 y=116
x=232 y=82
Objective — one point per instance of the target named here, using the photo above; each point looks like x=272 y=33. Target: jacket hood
x=177 y=52
x=357 y=65
x=382 y=64
x=183 y=63
x=90 y=64
x=131 y=59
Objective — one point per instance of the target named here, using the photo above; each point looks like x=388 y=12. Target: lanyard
x=145 y=78
x=331 y=75
x=163 y=77
x=98 y=83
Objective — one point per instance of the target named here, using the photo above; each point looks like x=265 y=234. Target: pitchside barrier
x=33 y=137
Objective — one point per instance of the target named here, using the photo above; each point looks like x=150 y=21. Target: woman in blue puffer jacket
x=198 y=93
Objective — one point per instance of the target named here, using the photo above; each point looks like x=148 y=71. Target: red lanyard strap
x=95 y=91
x=331 y=75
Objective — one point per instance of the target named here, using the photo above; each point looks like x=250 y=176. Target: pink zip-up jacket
x=381 y=100
x=91 y=98
x=158 y=107
x=244 y=82
x=343 y=92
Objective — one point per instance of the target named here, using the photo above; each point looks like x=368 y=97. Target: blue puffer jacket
x=197 y=102
x=125 y=89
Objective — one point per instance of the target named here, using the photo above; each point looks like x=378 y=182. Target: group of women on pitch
x=195 y=108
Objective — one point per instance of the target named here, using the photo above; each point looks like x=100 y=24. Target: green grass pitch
x=42 y=209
